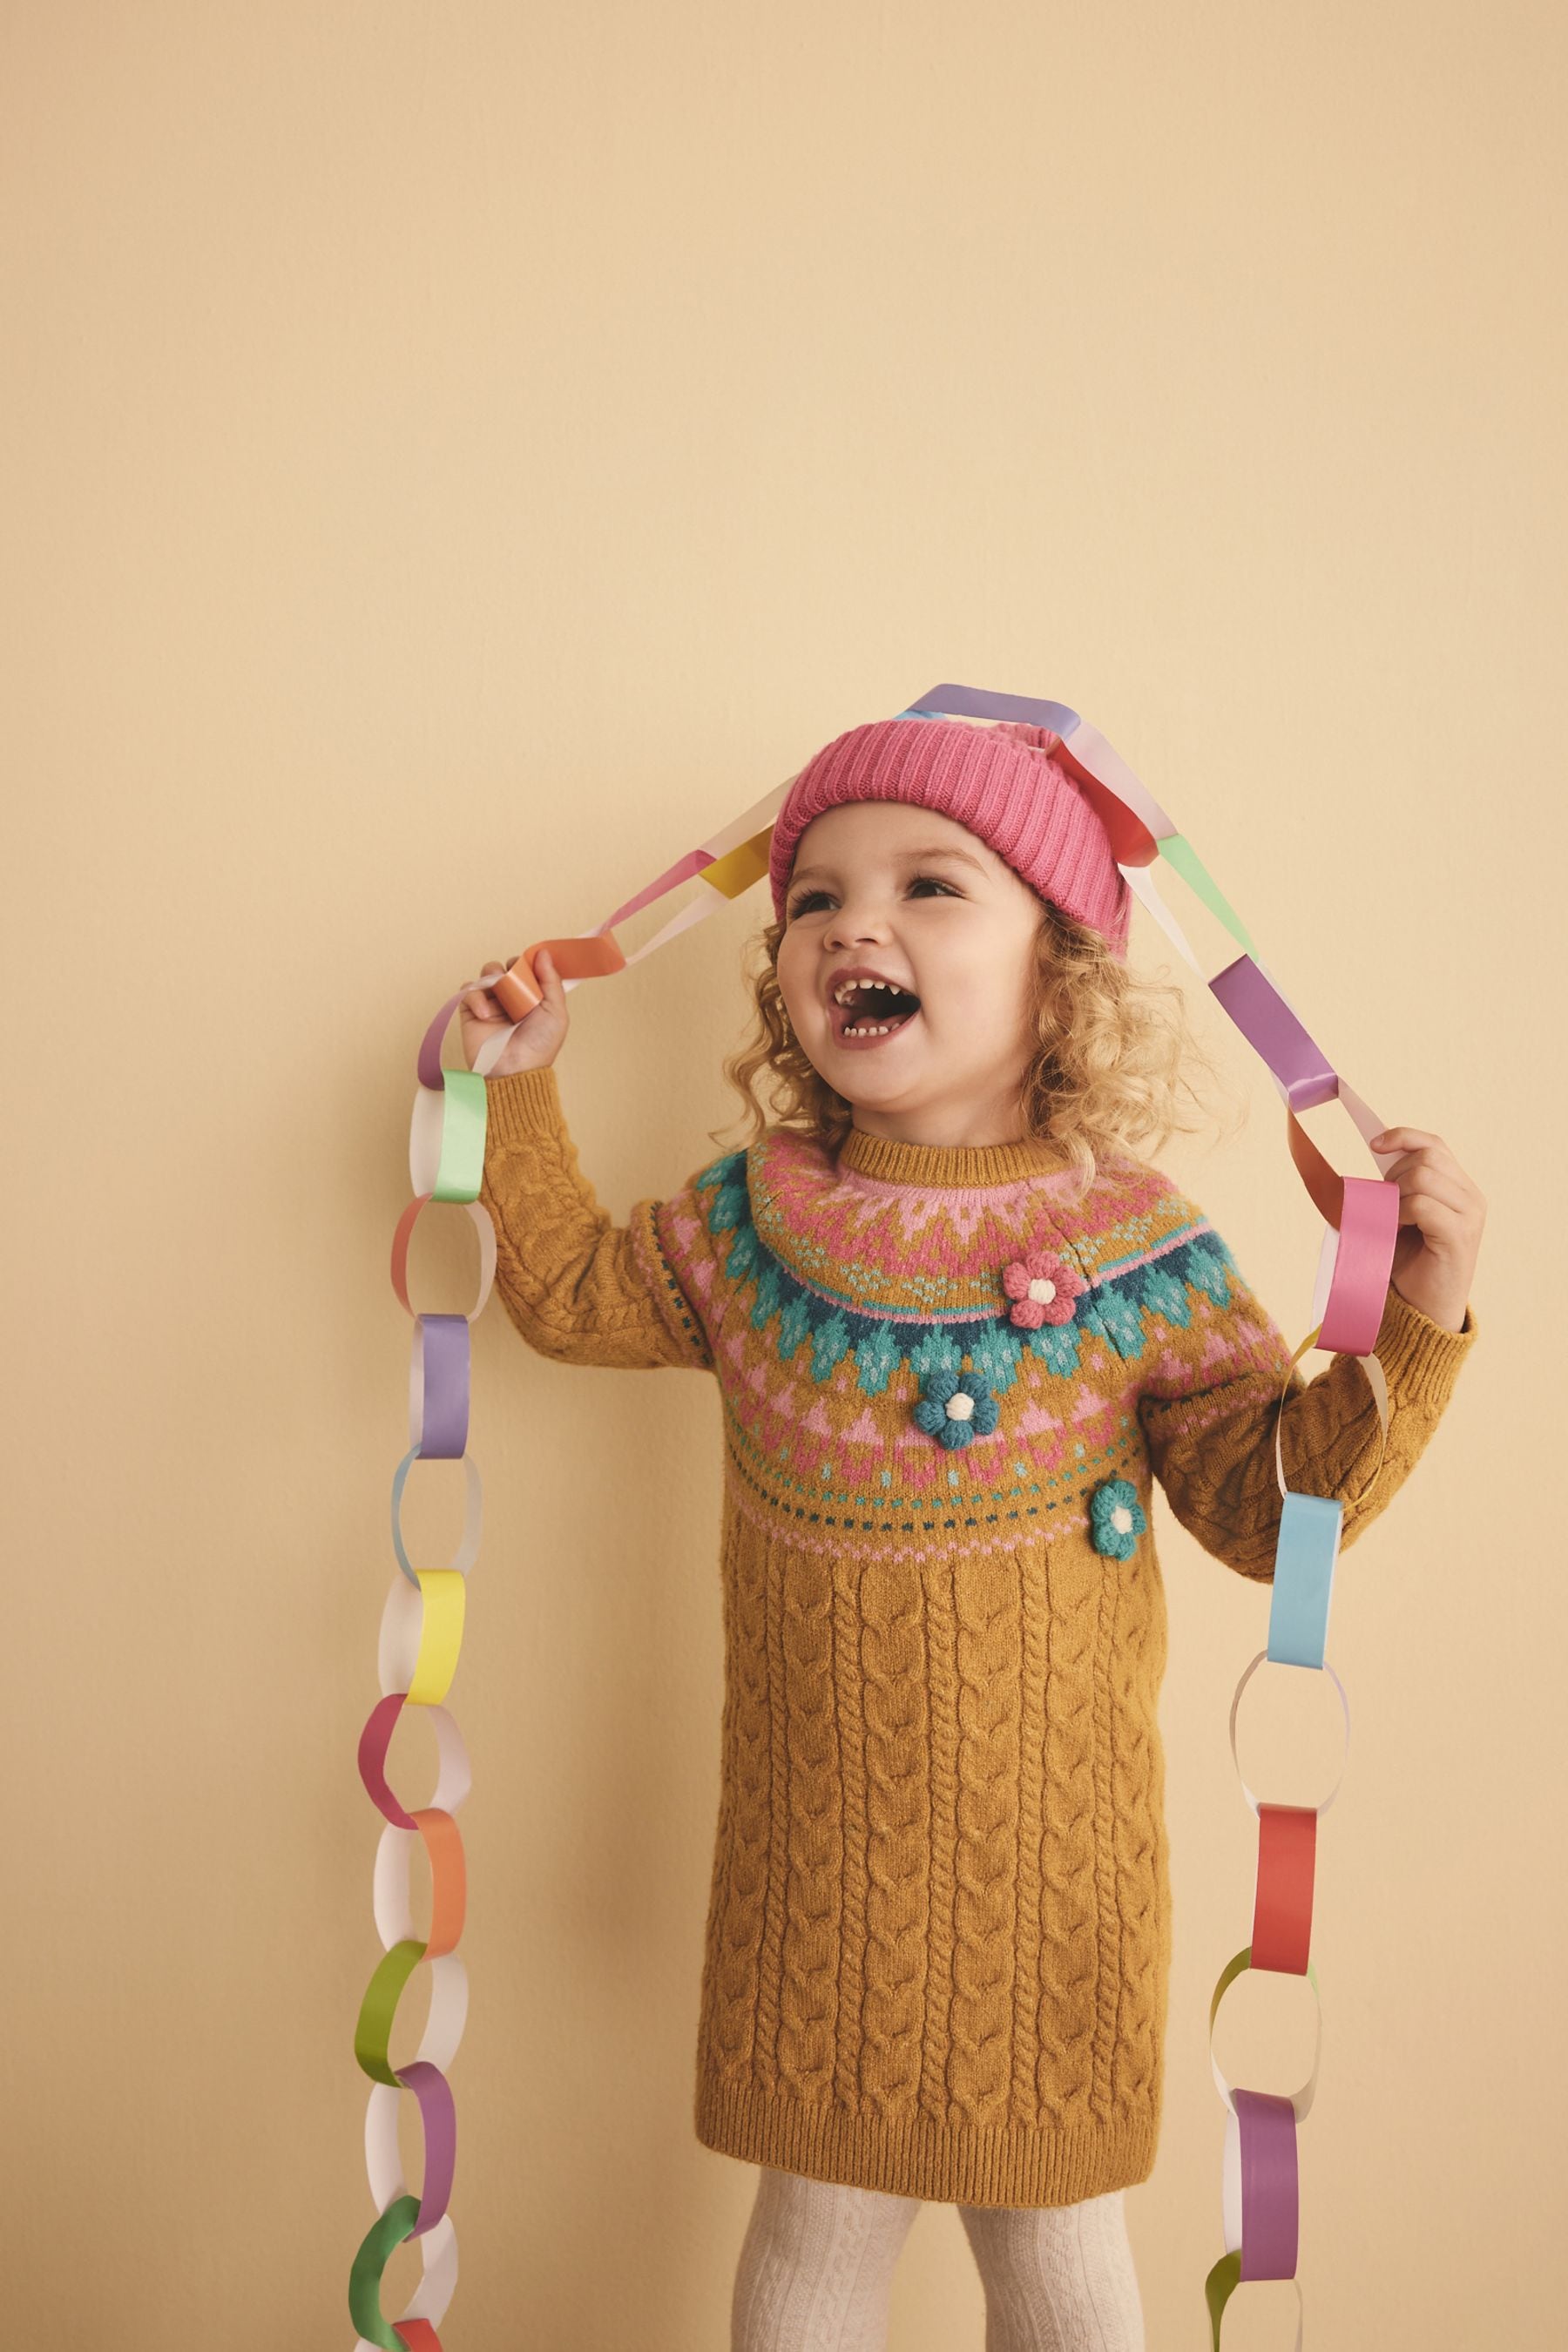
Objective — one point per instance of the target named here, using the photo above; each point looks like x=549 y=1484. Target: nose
x=858 y=922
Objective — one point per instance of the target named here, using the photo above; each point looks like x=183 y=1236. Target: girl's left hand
x=1443 y=1209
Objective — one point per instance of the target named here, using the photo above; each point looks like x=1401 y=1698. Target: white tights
x=817 y=2268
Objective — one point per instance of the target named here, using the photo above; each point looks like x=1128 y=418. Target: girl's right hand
x=540 y=1034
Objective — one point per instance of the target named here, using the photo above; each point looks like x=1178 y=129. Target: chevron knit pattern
x=938 y=1937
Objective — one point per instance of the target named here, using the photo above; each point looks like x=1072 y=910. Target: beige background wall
x=454 y=458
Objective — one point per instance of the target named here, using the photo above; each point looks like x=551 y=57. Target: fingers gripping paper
x=423 y=1619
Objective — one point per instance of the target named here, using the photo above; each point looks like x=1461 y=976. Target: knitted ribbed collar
x=960 y=1165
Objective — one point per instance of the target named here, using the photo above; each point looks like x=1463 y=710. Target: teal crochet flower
x=956 y=1407
x=1116 y=1518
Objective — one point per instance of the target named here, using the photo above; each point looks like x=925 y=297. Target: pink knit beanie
x=999 y=782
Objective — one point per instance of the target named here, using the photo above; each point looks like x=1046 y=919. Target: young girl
x=958 y=1327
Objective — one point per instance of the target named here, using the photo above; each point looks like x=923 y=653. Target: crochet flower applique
x=956 y=1407
x=1042 y=1286
x=1116 y=1518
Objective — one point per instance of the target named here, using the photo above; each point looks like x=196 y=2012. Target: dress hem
x=917 y=2156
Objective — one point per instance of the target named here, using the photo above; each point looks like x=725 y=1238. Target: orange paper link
x=448 y=1878
x=517 y=991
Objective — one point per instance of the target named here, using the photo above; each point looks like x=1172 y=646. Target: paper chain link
x=422 y=1622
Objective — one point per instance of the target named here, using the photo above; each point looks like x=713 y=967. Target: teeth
x=841 y=995
x=850 y=988
x=878 y=1029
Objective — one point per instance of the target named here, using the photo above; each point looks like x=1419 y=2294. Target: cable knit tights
x=816 y=2269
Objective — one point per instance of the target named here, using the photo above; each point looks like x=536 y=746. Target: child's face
x=920 y=900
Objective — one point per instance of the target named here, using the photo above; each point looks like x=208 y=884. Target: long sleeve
x=580 y=1288
x=1213 y=1395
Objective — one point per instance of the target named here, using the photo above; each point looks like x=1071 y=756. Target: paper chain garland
x=422 y=1622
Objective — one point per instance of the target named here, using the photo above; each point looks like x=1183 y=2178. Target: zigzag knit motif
x=938 y=1935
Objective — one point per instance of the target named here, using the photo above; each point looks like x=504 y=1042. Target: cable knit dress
x=939 y=1934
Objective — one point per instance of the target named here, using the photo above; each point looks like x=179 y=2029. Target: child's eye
x=808 y=898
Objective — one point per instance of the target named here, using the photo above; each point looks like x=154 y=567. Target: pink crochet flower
x=1043 y=1288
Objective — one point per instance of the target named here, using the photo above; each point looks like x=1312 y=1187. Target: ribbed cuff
x=1420 y=1360
x=522 y=1104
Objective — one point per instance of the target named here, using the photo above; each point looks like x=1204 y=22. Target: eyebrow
x=908 y=856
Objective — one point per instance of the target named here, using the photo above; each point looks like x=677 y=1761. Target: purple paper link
x=438 y=2114
x=444 y=1423
x=1270 y=2199
x=430 y=1062
x=1266 y=1022
x=974 y=702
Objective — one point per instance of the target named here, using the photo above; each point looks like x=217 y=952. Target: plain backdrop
x=454 y=460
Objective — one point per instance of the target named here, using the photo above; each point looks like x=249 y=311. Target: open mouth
x=872 y=1010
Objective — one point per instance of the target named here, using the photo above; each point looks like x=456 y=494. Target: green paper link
x=372 y=2034
x=1218 y=2287
x=464 y=1115
x=386 y=2234
x=1234 y=1968
x=1178 y=851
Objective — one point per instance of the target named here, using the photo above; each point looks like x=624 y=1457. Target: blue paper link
x=1304 y=1560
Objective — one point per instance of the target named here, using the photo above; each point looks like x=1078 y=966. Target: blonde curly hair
x=1109 y=1077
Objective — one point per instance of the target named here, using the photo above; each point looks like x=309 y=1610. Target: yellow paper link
x=444 y=1592
x=1377 y=1381
x=738 y=868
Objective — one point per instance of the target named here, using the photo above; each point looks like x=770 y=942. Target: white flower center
x=959 y=1407
x=1042 y=1290
x=1121 y=1519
